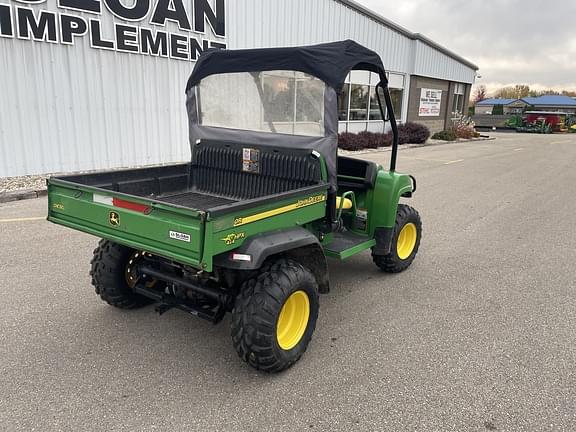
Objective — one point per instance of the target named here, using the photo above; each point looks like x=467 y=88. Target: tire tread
x=253 y=327
x=107 y=273
x=391 y=263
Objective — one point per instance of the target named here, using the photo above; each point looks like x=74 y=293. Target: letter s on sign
x=92 y=6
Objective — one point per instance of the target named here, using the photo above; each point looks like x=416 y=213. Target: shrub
x=464 y=127
x=363 y=140
x=413 y=133
x=370 y=139
x=348 y=141
x=387 y=139
x=445 y=135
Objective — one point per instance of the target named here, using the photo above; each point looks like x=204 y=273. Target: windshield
x=285 y=102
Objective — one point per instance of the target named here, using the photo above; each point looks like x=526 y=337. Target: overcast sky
x=512 y=41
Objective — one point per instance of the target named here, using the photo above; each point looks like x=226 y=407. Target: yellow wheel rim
x=293 y=320
x=406 y=241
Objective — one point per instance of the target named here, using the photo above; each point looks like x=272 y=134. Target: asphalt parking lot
x=479 y=334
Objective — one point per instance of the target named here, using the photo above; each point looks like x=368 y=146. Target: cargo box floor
x=195 y=200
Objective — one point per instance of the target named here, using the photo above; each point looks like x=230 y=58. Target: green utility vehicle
x=247 y=225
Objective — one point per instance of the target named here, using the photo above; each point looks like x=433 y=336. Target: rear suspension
x=182 y=288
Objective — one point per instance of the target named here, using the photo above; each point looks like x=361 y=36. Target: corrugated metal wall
x=434 y=64
x=70 y=108
x=260 y=23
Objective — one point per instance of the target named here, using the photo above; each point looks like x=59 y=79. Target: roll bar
x=391 y=117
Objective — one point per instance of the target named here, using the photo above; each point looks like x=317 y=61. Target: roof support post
x=391 y=117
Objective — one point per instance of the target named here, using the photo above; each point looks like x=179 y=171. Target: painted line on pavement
x=560 y=142
x=27 y=219
x=426 y=159
x=453 y=162
x=519 y=149
x=442 y=161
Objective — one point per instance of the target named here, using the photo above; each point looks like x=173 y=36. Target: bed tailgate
x=148 y=225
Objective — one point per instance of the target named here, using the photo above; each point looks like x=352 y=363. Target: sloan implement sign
x=143 y=26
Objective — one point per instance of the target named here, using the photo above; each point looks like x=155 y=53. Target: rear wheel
x=113 y=276
x=275 y=315
x=405 y=241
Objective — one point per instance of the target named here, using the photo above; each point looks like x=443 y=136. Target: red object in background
x=554 y=119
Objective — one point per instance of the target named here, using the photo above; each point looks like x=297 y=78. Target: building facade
x=97 y=84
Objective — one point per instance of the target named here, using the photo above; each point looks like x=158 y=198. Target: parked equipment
x=246 y=226
x=543 y=122
x=539 y=126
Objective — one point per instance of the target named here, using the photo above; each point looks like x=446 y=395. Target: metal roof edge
x=414 y=36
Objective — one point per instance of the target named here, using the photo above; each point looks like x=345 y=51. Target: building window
x=396 y=95
x=344 y=102
x=359 y=102
x=458 y=100
x=358 y=105
x=375 y=113
x=396 y=85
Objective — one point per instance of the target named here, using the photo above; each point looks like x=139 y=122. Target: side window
x=458 y=99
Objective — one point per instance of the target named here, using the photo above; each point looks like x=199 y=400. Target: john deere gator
x=247 y=225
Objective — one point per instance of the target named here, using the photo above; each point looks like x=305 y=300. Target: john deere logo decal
x=114 y=218
x=230 y=239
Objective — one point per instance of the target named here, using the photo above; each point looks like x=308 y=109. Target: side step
x=346 y=244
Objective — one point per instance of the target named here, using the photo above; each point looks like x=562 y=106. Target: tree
x=504 y=93
x=480 y=94
x=536 y=93
x=519 y=91
x=522 y=90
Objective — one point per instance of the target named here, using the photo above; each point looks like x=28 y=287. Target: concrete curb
x=22 y=195
x=452 y=142
x=411 y=146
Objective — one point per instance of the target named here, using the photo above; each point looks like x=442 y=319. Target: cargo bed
x=166 y=184
x=176 y=210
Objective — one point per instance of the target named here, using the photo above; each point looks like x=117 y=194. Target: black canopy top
x=330 y=62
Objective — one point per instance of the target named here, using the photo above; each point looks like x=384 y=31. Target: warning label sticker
x=175 y=235
x=251 y=160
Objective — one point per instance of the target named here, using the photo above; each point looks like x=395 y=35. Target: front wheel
x=405 y=241
x=275 y=315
